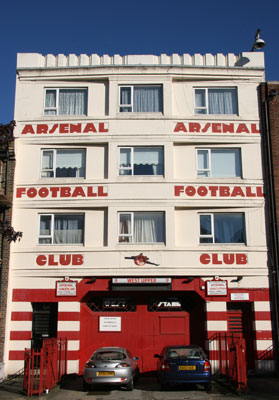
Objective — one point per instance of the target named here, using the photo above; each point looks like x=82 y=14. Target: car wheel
x=86 y=386
x=207 y=386
x=130 y=385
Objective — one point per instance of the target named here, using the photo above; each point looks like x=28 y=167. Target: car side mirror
x=157 y=356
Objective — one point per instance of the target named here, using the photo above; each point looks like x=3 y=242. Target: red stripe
x=16 y=355
x=262 y=315
x=70 y=335
x=22 y=316
x=68 y=316
x=261 y=335
x=216 y=316
x=34 y=295
x=20 y=335
x=73 y=354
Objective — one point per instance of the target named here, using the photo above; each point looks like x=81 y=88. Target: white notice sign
x=239 y=296
x=216 y=288
x=110 y=324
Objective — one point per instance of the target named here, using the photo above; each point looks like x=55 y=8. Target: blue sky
x=132 y=27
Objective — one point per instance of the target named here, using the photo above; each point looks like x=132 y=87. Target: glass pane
x=125 y=158
x=50 y=112
x=203 y=159
x=148 y=161
x=125 y=109
x=148 y=99
x=50 y=98
x=149 y=227
x=229 y=228
x=70 y=163
x=200 y=98
x=72 y=101
x=125 y=224
x=205 y=225
x=225 y=163
x=68 y=229
x=125 y=95
x=47 y=162
x=222 y=101
x=45 y=225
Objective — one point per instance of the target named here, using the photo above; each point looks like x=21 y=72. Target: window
x=141 y=98
x=141 y=161
x=66 y=102
x=141 y=227
x=216 y=101
x=63 y=163
x=219 y=163
x=61 y=229
x=222 y=228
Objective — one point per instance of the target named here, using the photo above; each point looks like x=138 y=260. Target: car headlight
x=122 y=365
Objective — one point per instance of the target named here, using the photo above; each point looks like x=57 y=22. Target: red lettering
x=51 y=260
x=228 y=258
x=242 y=128
x=216 y=128
x=178 y=190
x=78 y=191
x=43 y=192
x=89 y=128
x=205 y=258
x=77 y=259
x=224 y=191
x=241 y=259
x=101 y=192
x=215 y=259
x=180 y=127
x=75 y=128
x=194 y=127
x=213 y=190
x=54 y=191
x=64 y=128
x=90 y=192
x=190 y=191
x=102 y=127
x=42 y=128
x=28 y=129
x=65 y=259
x=32 y=192
x=41 y=260
x=237 y=191
x=249 y=192
x=228 y=128
x=20 y=192
x=65 y=192
x=259 y=190
x=53 y=129
x=254 y=129
x=202 y=191
x=206 y=127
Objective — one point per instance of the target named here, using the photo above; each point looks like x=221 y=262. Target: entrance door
x=143 y=328
x=44 y=323
x=240 y=321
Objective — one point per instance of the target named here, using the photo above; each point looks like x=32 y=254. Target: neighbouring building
x=139 y=192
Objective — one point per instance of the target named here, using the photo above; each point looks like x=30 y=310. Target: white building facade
x=139 y=192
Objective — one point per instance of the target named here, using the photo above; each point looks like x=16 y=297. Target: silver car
x=111 y=366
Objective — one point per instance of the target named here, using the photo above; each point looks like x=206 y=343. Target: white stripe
x=69 y=306
x=73 y=344
x=73 y=367
x=19 y=344
x=262 y=306
x=216 y=306
x=263 y=326
x=216 y=325
x=21 y=306
x=21 y=326
x=263 y=344
x=68 y=326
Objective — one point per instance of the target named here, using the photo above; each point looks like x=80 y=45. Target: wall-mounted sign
x=218 y=191
x=216 y=127
x=67 y=287
x=110 y=324
x=62 y=192
x=60 y=260
x=224 y=258
x=141 y=281
x=216 y=287
x=239 y=296
x=65 y=128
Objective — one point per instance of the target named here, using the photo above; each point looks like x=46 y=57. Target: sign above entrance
x=216 y=287
x=140 y=281
x=67 y=287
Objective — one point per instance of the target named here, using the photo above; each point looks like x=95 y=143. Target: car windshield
x=108 y=356
x=182 y=352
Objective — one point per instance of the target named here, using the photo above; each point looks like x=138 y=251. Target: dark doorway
x=44 y=324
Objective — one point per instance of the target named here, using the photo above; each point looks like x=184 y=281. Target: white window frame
x=131 y=168
x=56 y=109
x=132 y=98
x=212 y=215
x=209 y=169
x=54 y=153
x=206 y=107
x=51 y=236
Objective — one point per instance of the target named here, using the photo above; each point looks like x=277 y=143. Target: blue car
x=183 y=365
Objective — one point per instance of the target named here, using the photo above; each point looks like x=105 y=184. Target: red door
x=144 y=330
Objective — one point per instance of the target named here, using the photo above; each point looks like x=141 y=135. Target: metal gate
x=228 y=355
x=45 y=367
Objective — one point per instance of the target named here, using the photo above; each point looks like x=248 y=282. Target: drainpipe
x=274 y=259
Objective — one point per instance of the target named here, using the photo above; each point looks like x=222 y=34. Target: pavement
x=259 y=388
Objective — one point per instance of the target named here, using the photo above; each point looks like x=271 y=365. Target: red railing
x=45 y=367
x=228 y=357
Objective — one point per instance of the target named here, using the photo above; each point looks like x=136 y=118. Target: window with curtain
x=61 y=229
x=219 y=163
x=141 y=161
x=63 y=163
x=216 y=101
x=65 y=101
x=222 y=228
x=141 y=98
x=141 y=227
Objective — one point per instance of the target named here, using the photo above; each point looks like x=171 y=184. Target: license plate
x=105 y=373
x=186 y=367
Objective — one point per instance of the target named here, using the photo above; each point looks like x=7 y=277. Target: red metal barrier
x=45 y=367
x=228 y=357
